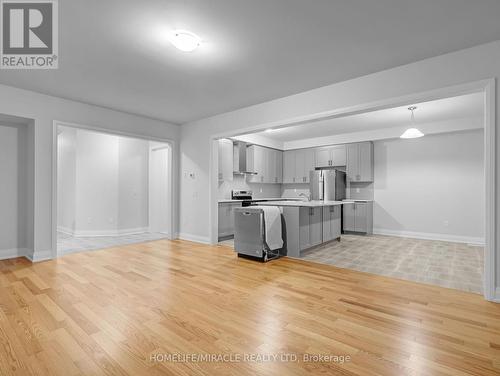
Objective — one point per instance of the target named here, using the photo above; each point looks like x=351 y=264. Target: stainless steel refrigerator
x=328 y=184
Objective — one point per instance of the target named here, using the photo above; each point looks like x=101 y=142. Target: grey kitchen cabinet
x=225 y=160
x=279 y=166
x=331 y=222
x=289 y=166
x=330 y=156
x=256 y=156
x=266 y=162
x=358 y=217
x=310 y=227
x=226 y=218
x=297 y=164
x=360 y=162
x=274 y=166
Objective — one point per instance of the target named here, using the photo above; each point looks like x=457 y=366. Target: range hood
x=240 y=159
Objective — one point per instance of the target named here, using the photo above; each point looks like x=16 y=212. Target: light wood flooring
x=111 y=312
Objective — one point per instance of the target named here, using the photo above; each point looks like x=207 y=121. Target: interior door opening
x=112 y=190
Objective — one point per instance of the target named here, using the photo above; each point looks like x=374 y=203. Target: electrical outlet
x=261 y=190
x=89 y=220
x=358 y=190
x=446 y=223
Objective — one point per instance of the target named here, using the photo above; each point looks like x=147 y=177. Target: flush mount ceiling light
x=185 y=40
x=412 y=132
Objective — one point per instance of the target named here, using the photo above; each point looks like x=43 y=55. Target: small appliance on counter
x=328 y=184
x=245 y=195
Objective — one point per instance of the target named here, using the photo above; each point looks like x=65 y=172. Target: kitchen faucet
x=307 y=196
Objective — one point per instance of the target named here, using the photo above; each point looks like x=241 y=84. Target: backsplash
x=239 y=182
x=360 y=191
x=287 y=190
x=294 y=190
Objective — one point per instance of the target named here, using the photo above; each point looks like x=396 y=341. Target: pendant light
x=412 y=132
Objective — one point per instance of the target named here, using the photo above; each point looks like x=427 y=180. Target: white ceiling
x=114 y=53
x=469 y=106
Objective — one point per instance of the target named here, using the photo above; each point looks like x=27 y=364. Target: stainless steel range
x=245 y=195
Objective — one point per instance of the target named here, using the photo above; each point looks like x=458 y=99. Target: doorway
x=112 y=189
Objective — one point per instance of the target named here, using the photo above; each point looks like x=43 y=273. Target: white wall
x=102 y=183
x=478 y=63
x=66 y=180
x=15 y=188
x=96 y=183
x=159 y=177
x=133 y=184
x=431 y=187
x=44 y=110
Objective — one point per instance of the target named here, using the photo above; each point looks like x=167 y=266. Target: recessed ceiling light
x=185 y=40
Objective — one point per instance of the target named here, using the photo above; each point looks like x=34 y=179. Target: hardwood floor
x=111 y=312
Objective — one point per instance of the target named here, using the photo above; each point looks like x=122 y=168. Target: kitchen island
x=308 y=224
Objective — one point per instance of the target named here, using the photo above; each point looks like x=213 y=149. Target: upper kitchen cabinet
x=360 y=162
x=297 y=164
x=225 y=159
x=255 y=163
x=289 y=166
x=330 y=156
x=267 y=163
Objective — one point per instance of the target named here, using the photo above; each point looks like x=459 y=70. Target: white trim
x=496 y=297
x=490 y=258
x=194 y=238
x=65 y=230
x=487 y=86
x=6 y=254
x=40 y=255
x=173 y=160
x=98 y=233
x=431 y=236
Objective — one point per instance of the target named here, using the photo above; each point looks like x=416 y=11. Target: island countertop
x=307 y=204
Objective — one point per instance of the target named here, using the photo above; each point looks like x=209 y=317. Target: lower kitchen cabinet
x=310 y=227
x=226 y=218
x=358 y=217
x=331 y=222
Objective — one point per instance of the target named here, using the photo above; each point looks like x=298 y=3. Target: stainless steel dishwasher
x=249 y=234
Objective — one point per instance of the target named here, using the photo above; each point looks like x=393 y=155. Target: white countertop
x=228 y=200
x=307 y=204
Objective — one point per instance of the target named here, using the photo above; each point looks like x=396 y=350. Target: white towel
x=272 y=221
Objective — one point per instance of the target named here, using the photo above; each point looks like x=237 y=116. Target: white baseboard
x=123 y=232
x=431 y=236
x=194 y=238
x=39 y=255
x=496 y=297
x=65 y=230
x=6 y=254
